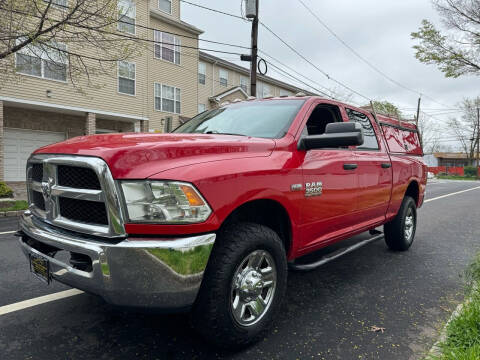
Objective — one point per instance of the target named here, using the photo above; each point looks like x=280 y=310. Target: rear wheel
x=400 y=232
x=242 y=287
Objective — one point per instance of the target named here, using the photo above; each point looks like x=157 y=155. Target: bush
x=5 y=190
x=470 y=171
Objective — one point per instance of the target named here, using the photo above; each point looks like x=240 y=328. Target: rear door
x=329 y=183
x=374 y=172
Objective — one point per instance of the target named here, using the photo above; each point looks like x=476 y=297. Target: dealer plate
x=40 y=267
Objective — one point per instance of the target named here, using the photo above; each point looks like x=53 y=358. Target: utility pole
x=251 y=12
x=418 y=109
x=478 y=142
x=253 y=64
x=420 y=137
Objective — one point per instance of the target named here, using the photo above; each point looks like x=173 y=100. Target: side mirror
x=336 y=135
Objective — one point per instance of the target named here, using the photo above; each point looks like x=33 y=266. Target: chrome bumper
x=156 y=273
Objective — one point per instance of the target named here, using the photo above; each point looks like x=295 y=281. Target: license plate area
x=40 y=267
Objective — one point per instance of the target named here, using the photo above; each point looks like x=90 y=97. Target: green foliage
x=470 y=171
x=456 y=52
x=5 y=190
x=13 y=205
x=387 y=108
x=463 y=332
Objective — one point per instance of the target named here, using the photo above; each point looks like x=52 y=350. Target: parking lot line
x=7 y=232
x=38 y=301
x=451 y=194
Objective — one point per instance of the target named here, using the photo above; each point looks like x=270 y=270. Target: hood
x=138 y=156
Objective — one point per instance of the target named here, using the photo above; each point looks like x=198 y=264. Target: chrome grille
x=77 y=177
x=76 y=193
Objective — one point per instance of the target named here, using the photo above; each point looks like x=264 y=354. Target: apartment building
x=155 y=91
x=221 y=81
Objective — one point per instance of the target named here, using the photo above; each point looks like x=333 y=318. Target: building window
x=165 y=6
x=47 y=61
x=201 y=108
x=167 y=98
x=202 y=73
x=369 y=138
x=126 y=77
x=127 y=14
x=284 y=92
x=59 y=3
x=263 y=90
x=244 y=83
x=167 y=47
x=223 y=75
x=266 y=90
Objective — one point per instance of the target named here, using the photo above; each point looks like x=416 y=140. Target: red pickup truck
x=209 y=217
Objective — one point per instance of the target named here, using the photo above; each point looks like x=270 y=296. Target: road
x=327 y=313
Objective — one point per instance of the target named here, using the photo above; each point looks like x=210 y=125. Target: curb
x=11 y=213
x=435 y=349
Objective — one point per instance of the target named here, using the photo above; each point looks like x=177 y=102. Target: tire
x=237 y=249
x=400 y=232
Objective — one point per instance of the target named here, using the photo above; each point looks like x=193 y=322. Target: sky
x=379 y=30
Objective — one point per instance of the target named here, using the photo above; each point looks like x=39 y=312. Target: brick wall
x=71 y=125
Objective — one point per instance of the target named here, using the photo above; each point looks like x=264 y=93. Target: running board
x=334 y=255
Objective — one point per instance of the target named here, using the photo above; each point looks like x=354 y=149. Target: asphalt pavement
x=327 y=313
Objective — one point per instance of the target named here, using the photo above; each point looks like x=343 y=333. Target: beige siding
x=212 y=85
x=183 y=76
x=175 y=9
x=105 y=98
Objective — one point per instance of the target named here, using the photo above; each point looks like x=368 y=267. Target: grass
x=185 y=263
x=463 y=332
x=13 y=205
x=456 y=177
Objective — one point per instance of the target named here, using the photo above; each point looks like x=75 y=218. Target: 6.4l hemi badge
x=313 y=189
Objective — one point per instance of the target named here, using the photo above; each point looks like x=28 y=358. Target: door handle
x=350 y=166
x=386 y=165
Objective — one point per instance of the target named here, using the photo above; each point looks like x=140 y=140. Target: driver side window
x=322 y=115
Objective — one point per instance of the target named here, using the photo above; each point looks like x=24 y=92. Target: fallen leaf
x=374 y=328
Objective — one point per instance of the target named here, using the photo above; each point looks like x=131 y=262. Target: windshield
x=264 y=119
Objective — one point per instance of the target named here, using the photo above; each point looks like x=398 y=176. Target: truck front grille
x=37 y=172
x=75 y=193
x=38 y=200
x=83 y=211
x=78 y=177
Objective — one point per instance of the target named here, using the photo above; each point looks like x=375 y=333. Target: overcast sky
x=379 y=30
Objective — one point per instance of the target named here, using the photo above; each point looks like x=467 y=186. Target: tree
x=79 y=37
x=465 y=128
x=429 y=133
x=455 y=51
x=387 y=108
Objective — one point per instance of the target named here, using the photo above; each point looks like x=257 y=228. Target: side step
x=336 y=254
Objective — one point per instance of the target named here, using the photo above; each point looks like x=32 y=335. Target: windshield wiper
x=223 y=133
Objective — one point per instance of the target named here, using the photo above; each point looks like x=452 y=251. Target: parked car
x=209 y=217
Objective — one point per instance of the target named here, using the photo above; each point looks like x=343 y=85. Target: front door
x=330 y=184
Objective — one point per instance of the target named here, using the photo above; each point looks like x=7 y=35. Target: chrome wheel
x=253 y=287
x=409 y=225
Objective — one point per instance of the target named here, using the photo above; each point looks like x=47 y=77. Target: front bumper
x=154 y=273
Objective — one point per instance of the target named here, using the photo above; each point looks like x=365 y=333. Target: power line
x=297 y=79
x=296 y=72
x=363 y=59
x=312 y=64
x=285 y=43
x=214 y=10
x=128 y=23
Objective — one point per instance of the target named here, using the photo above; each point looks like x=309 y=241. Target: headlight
x=164 y=202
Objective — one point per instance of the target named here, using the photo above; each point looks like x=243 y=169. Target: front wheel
x=242 y=287
x=400 y=232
